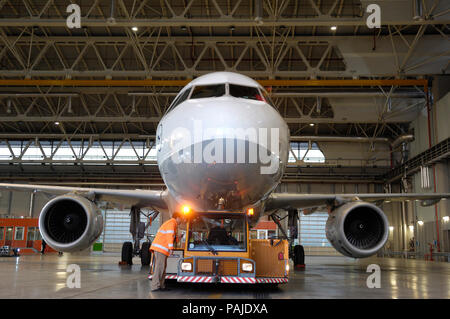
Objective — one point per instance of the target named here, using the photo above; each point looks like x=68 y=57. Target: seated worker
x=218 y=236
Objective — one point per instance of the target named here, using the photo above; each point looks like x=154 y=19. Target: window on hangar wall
x=308 y=152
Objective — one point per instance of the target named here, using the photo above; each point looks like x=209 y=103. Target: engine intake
x=70 y=223
x=357 y=229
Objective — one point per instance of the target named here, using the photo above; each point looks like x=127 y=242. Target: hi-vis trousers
x=159 y=270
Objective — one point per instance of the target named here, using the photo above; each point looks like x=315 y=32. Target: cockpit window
x=203 y=91
x=267 y=98
x=180 y=98
x=245 y=92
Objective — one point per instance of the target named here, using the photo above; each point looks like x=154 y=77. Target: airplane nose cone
x=222 y=149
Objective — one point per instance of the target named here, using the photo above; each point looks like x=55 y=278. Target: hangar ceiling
x=179 y=40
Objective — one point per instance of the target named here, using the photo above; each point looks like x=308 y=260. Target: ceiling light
x=184 y=28
x=318 y=104
x=420 y=222
x=311 y=124
x=391 y=228
x=56 y=123
x=69 y=105
x=411 y=227
x=134 y=29
x=333 y=28
x=8 y=105
x=232 y=28
x=446 y=218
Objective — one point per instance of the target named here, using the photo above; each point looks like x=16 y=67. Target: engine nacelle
x=357 y=229
x=70 y=223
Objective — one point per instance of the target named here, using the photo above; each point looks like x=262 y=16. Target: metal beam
x=156 y=119
x=109 y=136
x=14 y=94
x=202 y=22
x=350 y=139
x=180 y=83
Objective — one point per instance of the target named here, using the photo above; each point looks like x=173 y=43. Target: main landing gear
x=297 y=252
x=138 y=230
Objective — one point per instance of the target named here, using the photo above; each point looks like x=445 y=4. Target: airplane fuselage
x=222 y=152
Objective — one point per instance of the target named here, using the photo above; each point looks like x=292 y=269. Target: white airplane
x=222 y=147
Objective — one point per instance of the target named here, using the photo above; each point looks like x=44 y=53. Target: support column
x=9 y=203
x=30 y=212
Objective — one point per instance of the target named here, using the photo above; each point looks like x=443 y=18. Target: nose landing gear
x=138 y=230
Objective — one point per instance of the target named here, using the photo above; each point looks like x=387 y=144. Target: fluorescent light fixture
x=134 y=29
x=420 y=222
x=8 y=105
x=333 y=28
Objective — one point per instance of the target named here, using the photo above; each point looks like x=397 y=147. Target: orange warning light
x=186 y=209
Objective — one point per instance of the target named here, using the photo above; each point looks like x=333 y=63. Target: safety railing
x=434 y=154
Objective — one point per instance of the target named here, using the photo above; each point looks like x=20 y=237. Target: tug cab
x=215 y=247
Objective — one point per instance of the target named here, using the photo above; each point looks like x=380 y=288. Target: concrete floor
x=324 y=277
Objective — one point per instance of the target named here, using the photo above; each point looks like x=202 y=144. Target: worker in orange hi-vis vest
x=162 y=247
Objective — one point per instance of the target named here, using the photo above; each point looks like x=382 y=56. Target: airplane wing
x=134 y=197
x=292 y=201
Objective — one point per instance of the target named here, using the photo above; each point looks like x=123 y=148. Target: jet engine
x=357 y=229
x=70 y=223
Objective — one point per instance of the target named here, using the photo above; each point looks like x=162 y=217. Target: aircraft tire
x=145 y=254
x=299 y=256
x=127 y=252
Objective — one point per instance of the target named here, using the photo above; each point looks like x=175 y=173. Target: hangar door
x=312 y=234
x=116 y=229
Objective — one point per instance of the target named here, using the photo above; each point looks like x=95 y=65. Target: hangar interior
x=367 y=109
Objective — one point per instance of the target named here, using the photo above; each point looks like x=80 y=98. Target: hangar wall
x=355 y=154
x=434 y=227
